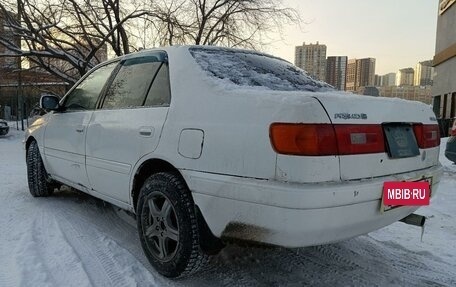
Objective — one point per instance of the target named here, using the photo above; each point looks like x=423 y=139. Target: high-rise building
x=405 y=77
x=336 y=70
x=360 y=73
x=424 y=74
x=312 y=59
x=378 y=80
x=366 y=72
x=351 y=75
x=389 y=80
x=8 y=36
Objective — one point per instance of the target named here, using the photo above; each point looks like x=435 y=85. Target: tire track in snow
x=57 y=247
x=393 y=264
x=47 y=246
x=357 y=262
x=116 y=264
x=105 y=220
x=416 y=266
x=9 y=273
x=56 y=218
x=17 y=220
x=299 y=261
x=329 y=261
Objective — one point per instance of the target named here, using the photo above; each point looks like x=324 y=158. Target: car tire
x=38 y=179
x=168 y=226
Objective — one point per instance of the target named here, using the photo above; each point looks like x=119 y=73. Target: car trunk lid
x=399 y=125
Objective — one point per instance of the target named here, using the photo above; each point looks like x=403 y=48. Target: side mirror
x=49 y=102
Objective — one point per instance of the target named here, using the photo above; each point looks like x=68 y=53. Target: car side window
x=159 y=94
x=130 y=85
x=85 y=95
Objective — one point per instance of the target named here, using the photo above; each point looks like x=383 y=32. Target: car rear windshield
x=251 y=69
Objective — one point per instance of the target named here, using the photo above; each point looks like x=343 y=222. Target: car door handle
x=146 y=132
x=80 y=129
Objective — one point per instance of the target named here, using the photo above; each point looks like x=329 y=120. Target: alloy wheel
x=161 y=228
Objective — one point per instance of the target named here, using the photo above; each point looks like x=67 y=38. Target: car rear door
x=127 y=124
x=64 y=137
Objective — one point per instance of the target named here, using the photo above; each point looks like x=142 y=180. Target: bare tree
x=233 y=23
x=68 y=37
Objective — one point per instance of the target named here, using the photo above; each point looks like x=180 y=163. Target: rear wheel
x=168 y=226
x=38 y=180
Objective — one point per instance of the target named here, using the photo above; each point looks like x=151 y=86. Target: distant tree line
x=79 y=32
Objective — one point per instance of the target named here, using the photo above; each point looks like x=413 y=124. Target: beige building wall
x=389 y=80
x=312 y=59
x=413 y=93
x=444 y=83
x=405 y=77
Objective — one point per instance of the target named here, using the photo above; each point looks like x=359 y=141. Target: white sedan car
x=205 y=144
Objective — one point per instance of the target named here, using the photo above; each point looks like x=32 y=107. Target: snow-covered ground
x=72 y=239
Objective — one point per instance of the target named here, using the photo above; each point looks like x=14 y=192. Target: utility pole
x=20 y=96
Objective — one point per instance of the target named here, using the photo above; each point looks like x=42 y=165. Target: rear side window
x=132 y=82
x=86 y=93
x=159 y=93
x=254 y=70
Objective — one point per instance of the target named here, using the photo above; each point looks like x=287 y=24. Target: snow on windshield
x=251 y=69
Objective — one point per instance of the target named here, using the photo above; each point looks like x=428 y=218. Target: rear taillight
x=360 y=139
x=303 y=139
x=326 y=139
x=453 y=129
x=427 y=136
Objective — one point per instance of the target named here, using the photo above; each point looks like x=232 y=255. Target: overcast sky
x=398 y=33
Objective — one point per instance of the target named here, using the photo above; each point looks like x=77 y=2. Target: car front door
x=128 y=123
x=65 y=134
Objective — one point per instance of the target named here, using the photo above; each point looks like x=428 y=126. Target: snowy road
x=72 y=239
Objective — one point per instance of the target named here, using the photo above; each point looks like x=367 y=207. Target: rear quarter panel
x=235 y=122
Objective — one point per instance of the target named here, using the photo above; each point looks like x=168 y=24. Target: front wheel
x=168 y=226
x=38 y=180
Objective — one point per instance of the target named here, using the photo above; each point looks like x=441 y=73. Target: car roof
x=181 y=48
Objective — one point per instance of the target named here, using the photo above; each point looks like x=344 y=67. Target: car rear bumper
x=296 y=215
